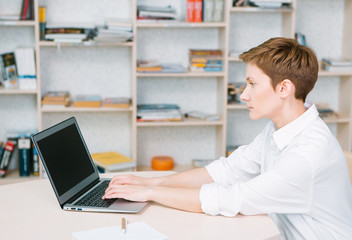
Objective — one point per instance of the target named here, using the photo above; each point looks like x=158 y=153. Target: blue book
x=24 y=156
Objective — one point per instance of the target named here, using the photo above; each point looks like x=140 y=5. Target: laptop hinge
x=80 y=193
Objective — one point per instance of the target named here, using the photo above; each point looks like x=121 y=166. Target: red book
x=190 y=10
x=25 y=9
x=198 y=12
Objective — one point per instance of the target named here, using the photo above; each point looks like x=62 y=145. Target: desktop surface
x=30 y=210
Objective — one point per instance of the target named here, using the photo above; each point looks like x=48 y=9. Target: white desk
x=30 y=210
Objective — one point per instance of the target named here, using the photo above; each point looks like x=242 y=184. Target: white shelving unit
x=109 y=69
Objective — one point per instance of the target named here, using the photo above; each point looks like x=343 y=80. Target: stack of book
x=155 y=13
x=87 y=101
x=203 y=60
x=153 y=66
x=270 y=3
x=158 y=112
x=149 y=66
x=117 y=102
x=56 y=99
x=69 y=32
x=18 y=151
x=202 y=115
x=336 y=65
x=115 y=30
x=112 y=161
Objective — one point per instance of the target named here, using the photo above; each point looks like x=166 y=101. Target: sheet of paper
x=138 y=230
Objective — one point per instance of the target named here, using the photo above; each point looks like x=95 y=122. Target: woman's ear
x=285 y=88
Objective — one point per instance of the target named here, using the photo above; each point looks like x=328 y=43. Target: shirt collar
x=285 y=134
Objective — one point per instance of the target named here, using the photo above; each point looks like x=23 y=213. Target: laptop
x=72 y=173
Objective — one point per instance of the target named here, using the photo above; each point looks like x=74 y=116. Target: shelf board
x=323 y=73
x=261 y=10
x=76 y=109
x=236 y=106
x=17 y=91
x=186 y=122
x=188 y=74
x=172 y=24
x=85 y=44
x=17 y=23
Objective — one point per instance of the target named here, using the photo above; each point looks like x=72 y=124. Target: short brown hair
x=284 y=58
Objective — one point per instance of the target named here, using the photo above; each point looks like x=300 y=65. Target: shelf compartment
x=84 y=44
x=17 y=23
x=74 y=109
x=188 y=74
x=180 y=25
x=186 y=122
x=261 y=10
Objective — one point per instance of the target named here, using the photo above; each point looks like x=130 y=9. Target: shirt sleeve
x=284 y=189
x=242 y=165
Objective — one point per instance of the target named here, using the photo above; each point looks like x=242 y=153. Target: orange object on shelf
x=162 y=163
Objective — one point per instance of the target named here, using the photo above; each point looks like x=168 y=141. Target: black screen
x=66 y=158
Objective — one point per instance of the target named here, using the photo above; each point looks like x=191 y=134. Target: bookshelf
x=109 y=69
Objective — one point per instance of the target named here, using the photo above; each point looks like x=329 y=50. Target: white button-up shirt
x=298 y=175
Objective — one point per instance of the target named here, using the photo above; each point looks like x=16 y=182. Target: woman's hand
x=130 y=180
x=137 y=193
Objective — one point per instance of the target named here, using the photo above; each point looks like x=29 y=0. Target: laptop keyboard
x=94 y=198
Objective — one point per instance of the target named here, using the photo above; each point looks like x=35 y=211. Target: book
x=342 y=66
x=112 y=161
x=198 y=11
x=42 y=22
x=152 y=65
x=158 y=112
x=87 y=101
x=26 y=71
x=5 y=161
x=116 y=102
x=172 y=68
x=27 y=10
x=218 y=14
x=157 y=106
x=56 y=98
x=337 y=62
x=8 y=70
x=208 y=10
x=24 y=156
x=35 y=161
x=150 y=69
x=190 y=10
x=57 y=95
x=202 y=115
x=2 y=149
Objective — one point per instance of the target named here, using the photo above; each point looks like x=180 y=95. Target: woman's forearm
x=194 y=178
x=180 y=198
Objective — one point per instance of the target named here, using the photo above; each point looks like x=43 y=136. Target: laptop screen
x=66 y=158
